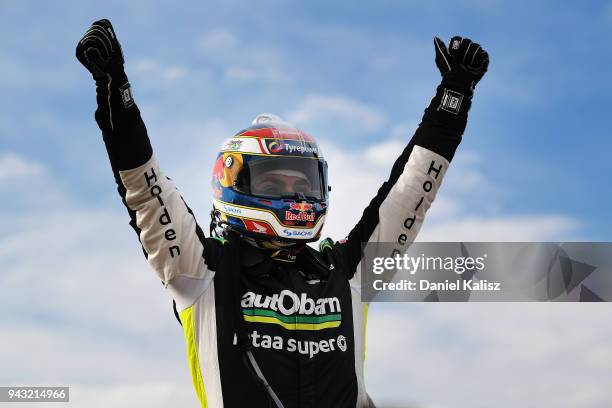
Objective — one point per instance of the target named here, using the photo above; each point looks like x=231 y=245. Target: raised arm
x=171 y=239
x=396 y=213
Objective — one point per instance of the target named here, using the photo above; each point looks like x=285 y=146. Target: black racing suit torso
x=307 y=332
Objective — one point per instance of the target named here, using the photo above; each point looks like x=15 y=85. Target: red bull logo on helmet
x=301 y=206
x=304 y=212
x=301 y=216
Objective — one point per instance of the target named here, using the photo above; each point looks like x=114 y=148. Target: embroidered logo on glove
x=126 y=95
x=451 y=101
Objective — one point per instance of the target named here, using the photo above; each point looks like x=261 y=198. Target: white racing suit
x=306 y=324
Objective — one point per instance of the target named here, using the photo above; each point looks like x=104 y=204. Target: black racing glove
x=117 y=115
x=462 y=64
x=100 y=52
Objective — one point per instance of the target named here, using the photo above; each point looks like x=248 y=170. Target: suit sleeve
x=171 y=239
x=396 y=214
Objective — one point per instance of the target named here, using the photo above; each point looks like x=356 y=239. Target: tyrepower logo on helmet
x=300 y=148
x=279 y=146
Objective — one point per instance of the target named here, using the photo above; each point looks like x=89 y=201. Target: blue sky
x=538 y=120
x=533 y=166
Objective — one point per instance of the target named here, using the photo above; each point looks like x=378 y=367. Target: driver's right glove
x=117 y=115
x=100 y=52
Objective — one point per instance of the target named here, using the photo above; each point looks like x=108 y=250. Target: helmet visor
x=281 y=177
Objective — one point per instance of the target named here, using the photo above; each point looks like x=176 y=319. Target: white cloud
x=142 y=395
x=73 y=260
x=147 y=67
x=191 y=168
x=82 y=304
x=403 y=131
x=102 y=368
x=482 y=355
x=353 y=186
x=236 y=73
x=240 y=59
x=502 y=228
x=356 y=176
x=26 y=184
x=218 y=41
x=337 y=112
x=63 y=353
x=14 y=167
x=20 y=75
x=68 y=260
x=385 y=154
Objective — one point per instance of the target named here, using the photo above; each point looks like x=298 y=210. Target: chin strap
x=283 y=255
x=279 y=251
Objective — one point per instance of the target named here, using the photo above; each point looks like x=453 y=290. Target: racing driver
x=268 y=320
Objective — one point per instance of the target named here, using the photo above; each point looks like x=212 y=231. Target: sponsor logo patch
x=301 y=216
x=306 y=347
x=341 y=342
x=451 y=101
x=231 y=210
x=292 y=311
x=232 y=144
x=297 y=233
x=301 y=206
x=259 y=227
x=293 y=147
x=275 y=146
x=126 y=95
